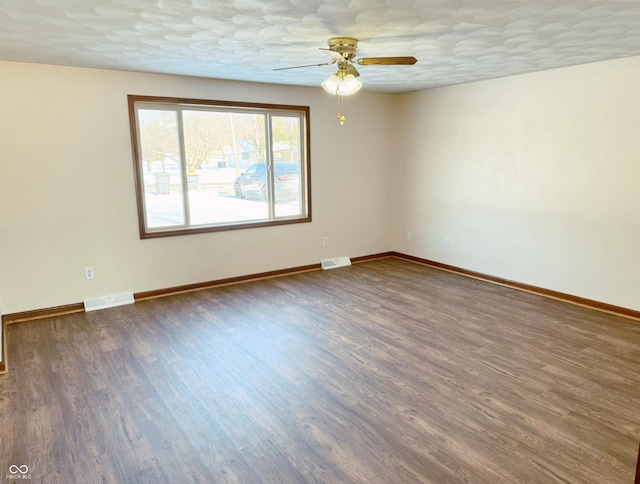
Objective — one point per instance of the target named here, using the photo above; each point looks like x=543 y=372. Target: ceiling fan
x=342 y=51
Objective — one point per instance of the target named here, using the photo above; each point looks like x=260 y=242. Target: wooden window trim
x=145 y=233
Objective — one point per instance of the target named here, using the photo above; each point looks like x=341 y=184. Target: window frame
x=135 y=101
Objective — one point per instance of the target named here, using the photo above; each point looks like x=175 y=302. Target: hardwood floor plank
x=384 y=371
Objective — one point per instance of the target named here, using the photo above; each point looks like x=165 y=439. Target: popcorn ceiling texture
x=455 y=41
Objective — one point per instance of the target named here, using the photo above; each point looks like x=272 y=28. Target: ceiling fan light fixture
x=349 y=85
x=341 y=85
x=331 y=84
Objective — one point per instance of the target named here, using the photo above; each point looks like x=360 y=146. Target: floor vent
x=337 y=262
x=95 y=303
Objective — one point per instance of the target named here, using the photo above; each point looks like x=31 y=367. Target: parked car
x=253 y=182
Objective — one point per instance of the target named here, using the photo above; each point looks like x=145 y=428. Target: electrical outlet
x=408 y=235
x=325 y=241
x=88 y=273
x=446 y=243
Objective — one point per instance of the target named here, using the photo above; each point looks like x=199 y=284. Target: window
x=203 y=166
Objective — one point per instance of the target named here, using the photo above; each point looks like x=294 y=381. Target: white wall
x=533 y=178
x=67 y=197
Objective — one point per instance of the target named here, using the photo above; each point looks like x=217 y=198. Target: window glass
x=287 y=166
x=161 y=174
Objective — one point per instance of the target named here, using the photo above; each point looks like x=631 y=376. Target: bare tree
x=205 y=133
x=250 y=128
x=158 y=136
x=286 y=130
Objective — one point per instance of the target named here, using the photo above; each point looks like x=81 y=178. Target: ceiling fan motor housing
x=344 y=45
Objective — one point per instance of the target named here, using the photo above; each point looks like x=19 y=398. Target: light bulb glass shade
x=332 y=84
x=341 y=85
x=349 y=85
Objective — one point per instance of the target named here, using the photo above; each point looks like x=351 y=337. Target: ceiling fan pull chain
x=341 y=118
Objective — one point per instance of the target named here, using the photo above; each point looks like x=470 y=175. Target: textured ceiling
x=455 y=41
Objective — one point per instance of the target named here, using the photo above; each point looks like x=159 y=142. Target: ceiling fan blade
x=336 y=56
x=387 y=61
x=352 y=70
x=308 y=65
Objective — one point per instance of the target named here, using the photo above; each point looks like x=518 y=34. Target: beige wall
x=67 y=196
x=534 y=178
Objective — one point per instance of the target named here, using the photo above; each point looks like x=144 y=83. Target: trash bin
x=162 y=183
x=192 y=181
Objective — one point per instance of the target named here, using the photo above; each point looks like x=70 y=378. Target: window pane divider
x=184 y=175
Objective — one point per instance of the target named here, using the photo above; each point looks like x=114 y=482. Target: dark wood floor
x=382 y=372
